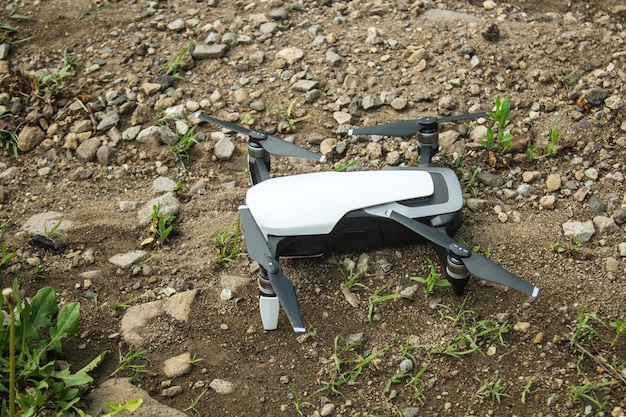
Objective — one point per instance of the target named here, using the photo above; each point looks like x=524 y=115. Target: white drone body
x=312 y=214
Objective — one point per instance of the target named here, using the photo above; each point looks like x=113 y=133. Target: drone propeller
x=410 y=127
x=259 y=250
x=271 y=144
x=460 y=254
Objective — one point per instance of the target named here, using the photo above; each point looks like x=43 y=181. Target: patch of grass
x=29 y=375
x=124 y=304
x=500 y=115
x=51 y=81
x=7 y=29
x=551 y=148
x=347 y=369
x=570 y=79
x=345 y=166
x=183 y=145
x=195 y=402
x=527 y=389
x=6 y=255
x=298 y=402
x=132 y=363
x=228 y=245
x=584 y=332
x=54 y=230
x=433 y=280
x=8 y=132
x=171 y=68
x=289 y=124
x=492 y=389
x=589 y=391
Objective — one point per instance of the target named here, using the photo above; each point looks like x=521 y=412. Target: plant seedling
x=376 y=298
x=91 y=10
x=228 y=244
x=8 y=132
x=183 y=144
x=172 y=67
x=160 y=224
x=500 y=115
x=350 y=279
x=433 y=280
x=128 y=363
x=6 y=255
x=290 y=122
x=493 y=390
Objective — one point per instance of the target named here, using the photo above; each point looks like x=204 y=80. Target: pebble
x=583 y=231
x=177 y=366
x=521 y=326
x=553 y=183
x=547 y=202
x=222 y=387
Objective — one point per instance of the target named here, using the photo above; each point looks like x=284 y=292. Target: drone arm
x=258 y=163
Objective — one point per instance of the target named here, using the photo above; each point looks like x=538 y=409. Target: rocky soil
x=101 y=92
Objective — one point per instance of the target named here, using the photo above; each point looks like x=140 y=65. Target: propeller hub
x=256 y=135
x=270 y=265
x=461 y=251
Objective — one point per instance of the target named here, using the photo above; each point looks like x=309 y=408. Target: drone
x=309 y=214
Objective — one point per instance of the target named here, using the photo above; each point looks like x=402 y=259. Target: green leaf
x=130 y=405
x=43 y=307
x=81 y=377
x=67 y=324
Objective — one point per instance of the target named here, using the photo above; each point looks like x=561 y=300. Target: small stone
x=177 y=365
x=552 y=400
x=591 y=173
x=530 y=176
x=221 y=386
x=224 y=149
x=29 y=137
x=172 y=391
x=538 y=339
x=521 y=326
x=406 y=365
x=581 y=230
x=547 y=202
x=553 y=183
x=226 y=294
x=327 y=410
x=604 y=224
x=477 y=204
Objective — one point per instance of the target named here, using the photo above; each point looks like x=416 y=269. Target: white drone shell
x=312 y=204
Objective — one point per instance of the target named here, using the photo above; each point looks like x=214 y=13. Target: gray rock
x=81 y=126
x=105 y=155
x=177 y=25
x=126 y=260
x=552 y=400
x=604 y=224
x=209 y=51
x=224 y=149
x=477 y=204
x=524 y=189
x=163 y=184
x=596 y=205
x=489 y=179
x=581 y=230
x=327 y=409
x=620 y=216
x=43 y=222
x=596 y=96
x=332 y=57
x=221 y=386
x=156 y=134
x=441 y=14
x=171 y=391
x=410 y=412
x=109 y=120
x=87 y=150
x=304 y=85
x=622 y=249
x=291 y=54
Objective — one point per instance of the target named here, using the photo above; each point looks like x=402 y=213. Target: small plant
x=194 y=359
x=345 y=369
x=183 y=144
x=52 y=82
x=527 y=389
x=229 y=244
x=493 y=389
x=7 y=29
x=551 y=148
x=433 y=280
x=179 y=185
x=123 y=305
x=195 y=402
x=346 y=165
x=620 y=328
x=92 y=10
x=247 y=119
x=28 y=371
x=298 y=402
x=8 y=132
x=350 y=279
x=160 y=224
x=54 y=230
x=290 y=122
x=132 y=363
x=172 y=67
x=574 y=246
x=6 y=255
x=376 y=299
x=570 y=79
x=584 y=332
x=38 y=270
x=125 y=407
x=588 y=391
x=500 y=115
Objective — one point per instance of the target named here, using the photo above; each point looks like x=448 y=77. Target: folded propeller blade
x=411 y=127
x=476 y=264
x=271 y=144
x=259 y=250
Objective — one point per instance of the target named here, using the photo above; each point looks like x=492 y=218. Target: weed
x=51 y=81
x=376 y=299
x=298 y=402
x=6 y=255
x=132 y=363
x=194 y=359
x=8 y=132
x=38 y=270
x=54 y=230
x=551 y=148
x=6 y=29
x=527 y=389
x=195 y=402
x=345 y=369
x=570 y=79
x=126 y=407
x=290 y=122
x=493 y=389
x=588 y=391
x=500 y=115
x=345 y=166
x=574 y=246
x=28 y=371
x=172 y=67
x=433 y=280
x=123 y=305
x=620 y=328
x=91 y=10
x=584 y=332
x=228 y=244
x=247 y=119
x=160 y=224
x=469 y=183
x=183 y=144
x=350 y=279
x=179 y=185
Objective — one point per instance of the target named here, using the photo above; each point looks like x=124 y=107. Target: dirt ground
x=267 y=368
